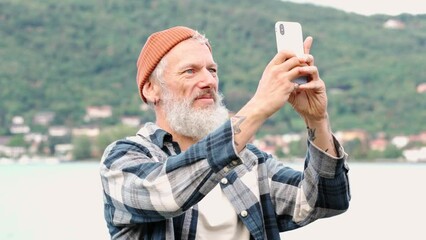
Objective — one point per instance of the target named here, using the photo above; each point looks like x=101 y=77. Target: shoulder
x=130 y=147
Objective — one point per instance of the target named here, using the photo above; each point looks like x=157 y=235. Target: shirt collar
x=154 y=133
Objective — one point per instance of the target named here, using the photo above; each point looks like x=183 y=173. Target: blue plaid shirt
x=151 y=188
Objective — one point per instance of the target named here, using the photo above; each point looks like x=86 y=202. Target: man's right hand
x=273 y=91
x=276 y=84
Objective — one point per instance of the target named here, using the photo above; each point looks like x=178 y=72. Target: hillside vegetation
x=62 y=56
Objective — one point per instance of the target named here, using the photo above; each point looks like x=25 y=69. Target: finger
x=292 y=75
x=290 y=63
x=308 y=44
x=281 y=57
x=312 y=85
x=287 y=69
x=307 y=59
x=313 y=76
x=309 y=70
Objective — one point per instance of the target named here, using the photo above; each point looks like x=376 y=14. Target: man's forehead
x=190 y=51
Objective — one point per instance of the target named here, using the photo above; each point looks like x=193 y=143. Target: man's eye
x=213 y=70
x=189 y=71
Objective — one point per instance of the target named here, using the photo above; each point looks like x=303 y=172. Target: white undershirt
x=217 y=218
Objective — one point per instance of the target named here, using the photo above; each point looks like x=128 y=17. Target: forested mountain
x=62 y=56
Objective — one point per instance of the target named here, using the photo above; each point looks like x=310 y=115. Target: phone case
x=289 y=36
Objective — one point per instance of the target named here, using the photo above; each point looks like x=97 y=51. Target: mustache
x=203 y=92
x=168 y=96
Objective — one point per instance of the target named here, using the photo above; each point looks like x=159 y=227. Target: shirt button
x=244 y=214
x=235 y=162
x=224 y=181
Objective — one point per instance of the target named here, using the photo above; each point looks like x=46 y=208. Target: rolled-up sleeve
x=320 y=190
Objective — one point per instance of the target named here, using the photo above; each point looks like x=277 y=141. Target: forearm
x=320 y=134
x=246 y=123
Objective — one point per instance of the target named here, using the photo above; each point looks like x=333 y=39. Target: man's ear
x=151 y=91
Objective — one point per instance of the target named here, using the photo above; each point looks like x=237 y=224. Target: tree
x=17 y=141
x=108 y=135
x=392 y=152
x=82 y=148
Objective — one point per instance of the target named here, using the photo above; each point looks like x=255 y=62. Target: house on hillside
x=19 y=129
x=34 y=140
x=400 y=141
x=88 y=131
x=58 y=131
x=420 y=138
x=43 y=118
x=18 y=126
x=351 y=135
x=266 y=144
x=274 y=143
x=415 y=155
x=98 y=112
x=379 y=144
x=4 y=140
x=394 y=24
x=421 y=88
x=64 y=151
x=131 y=121
x=354 y=135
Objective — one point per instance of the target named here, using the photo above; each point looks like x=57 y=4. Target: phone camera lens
x=282 y=29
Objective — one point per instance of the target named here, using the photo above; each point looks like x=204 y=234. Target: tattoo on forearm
x=311 y=134
x=236 y=122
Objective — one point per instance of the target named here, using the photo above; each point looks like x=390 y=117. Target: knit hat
x=156 y=46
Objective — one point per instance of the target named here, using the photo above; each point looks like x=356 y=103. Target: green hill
x=62 y=56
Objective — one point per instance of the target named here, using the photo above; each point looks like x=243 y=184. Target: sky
x=370 y=7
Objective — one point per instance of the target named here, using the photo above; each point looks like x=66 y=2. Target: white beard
x=193 y=122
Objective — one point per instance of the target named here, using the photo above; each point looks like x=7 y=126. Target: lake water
x=64 y=201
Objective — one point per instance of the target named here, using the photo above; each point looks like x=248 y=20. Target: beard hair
x=194 y=122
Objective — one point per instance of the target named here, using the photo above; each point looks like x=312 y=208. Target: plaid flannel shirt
x=151 y=188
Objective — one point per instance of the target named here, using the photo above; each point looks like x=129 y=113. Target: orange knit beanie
x=156 y=46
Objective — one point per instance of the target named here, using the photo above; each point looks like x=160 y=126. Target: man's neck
x=183 y=141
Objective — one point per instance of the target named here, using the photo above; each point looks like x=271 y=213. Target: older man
x=193 y=175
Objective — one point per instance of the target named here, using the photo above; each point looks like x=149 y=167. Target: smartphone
x=289 y=36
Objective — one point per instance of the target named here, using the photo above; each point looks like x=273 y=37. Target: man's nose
x=208 y=79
